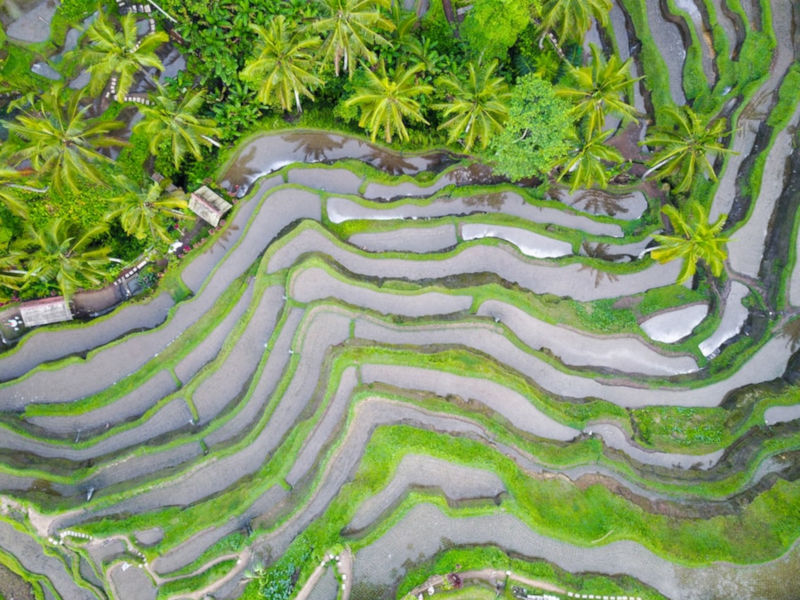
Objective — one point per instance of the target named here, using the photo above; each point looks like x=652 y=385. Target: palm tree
x=349 y=28
x=141 y=212
x=283 y=66
x=62 y=252
x=599 y=89
x=12 y=276
x=571 y=19
x=60 y=141
x=584 y=164
x=8 y=195
x=478 y=107
x=695 y=240
x=177 y=123
x=686 y=145
x=120 y=53
x=385 y=101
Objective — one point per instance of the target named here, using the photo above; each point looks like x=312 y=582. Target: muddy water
x=271 y=151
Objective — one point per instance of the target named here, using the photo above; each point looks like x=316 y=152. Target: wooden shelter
x=45 y=311
x=208 y=205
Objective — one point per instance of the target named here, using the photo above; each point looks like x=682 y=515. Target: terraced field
x=410 y=364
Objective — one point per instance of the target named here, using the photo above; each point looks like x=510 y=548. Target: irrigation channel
x=391 y=358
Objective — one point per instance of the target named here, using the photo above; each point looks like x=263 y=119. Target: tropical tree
x=571 y=19
x=12 y=276
x=350 y=27
x=385 y=101
x=598 y=89
x=477 y=107
x=176 y=123
x=143 y=212
x=284 y=64
x=119 y=53
x=536 y=132
x=694 y=240
x=585 y=165
x=686 y=145
x=491 y=27
x=62 y=252
x=8 y=195
x=60 y=141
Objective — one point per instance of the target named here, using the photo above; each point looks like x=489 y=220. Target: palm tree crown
x=283 y=66
x=61 y=252
x=686 y=145
x=142 y=212
x=177 y=123
x=598 y=89
x=385 y=101
x=584 y=164
x=349 y=28
x=479 y=106
x=8 y=195
x=118 y=52
x=571 y=19
x=695 y=240
x=60 y=141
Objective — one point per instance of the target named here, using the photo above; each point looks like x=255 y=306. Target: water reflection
x=314 y=145
x=598 y=201
x=392 y=163
x=269 y=152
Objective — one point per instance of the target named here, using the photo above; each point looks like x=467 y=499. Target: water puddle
x=626 y=206
x=733 y=317
x=509 y=203
x=529 y=243
x=613 y=437
x=673 y=325
x=781 y=414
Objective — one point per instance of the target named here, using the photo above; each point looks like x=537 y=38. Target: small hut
x=208 y=205
x=45 y=311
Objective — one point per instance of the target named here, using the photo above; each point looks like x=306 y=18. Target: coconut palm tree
x=477 y=107
x=119 y=53
x=599 y=89
x=8 y=195
x=142 y=212
x=283 y=66
x=694 y=240
x=386 y=101
x=12 y=275
x=686 y=145
x=60 y=141
x=350 y=27
x=176 y=123
x=585 y=165
x=571 y=19
x=63 y=253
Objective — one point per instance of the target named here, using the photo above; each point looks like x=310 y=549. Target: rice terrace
x=399 y=299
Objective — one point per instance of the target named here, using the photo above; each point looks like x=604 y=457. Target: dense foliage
x=503 y=79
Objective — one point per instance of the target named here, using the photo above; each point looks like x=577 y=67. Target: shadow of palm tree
x=391 y=162
x=597 y=201
x=791 y=330
x=493 y=200
x=600 y=252
x=315 y=145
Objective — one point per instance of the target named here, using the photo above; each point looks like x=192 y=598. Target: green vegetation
x=696 y=240
x=535 y=133
x=252 y=421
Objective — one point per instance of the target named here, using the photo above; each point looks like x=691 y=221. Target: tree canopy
x=537 y=131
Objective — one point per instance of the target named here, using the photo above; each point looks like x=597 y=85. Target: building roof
x=208 y=205
x=47 y=310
